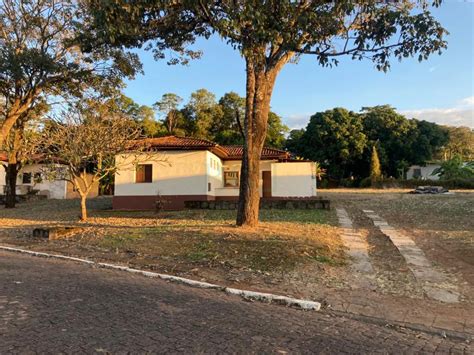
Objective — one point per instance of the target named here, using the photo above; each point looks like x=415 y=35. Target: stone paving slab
x=357 y=246
x=437 y=284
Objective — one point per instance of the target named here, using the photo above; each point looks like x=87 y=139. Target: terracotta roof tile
x=236 y=151
x=176 y=142
x=224 y=152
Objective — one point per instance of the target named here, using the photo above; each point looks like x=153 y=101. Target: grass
x=284 y=241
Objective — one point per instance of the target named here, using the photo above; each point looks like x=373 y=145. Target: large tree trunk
x=10 y=191
x=259 y=90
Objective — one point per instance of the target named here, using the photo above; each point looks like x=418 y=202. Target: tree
x=460 y=143
x=335 y=138
x=294 y=141
x=87 y=141
x=375 y=172
x=228 y=130
x=276 y=131
x=20 y=146
x=200 y=114
x=394 y=135
x=269 y=34
x=143 y=115
x=455 y=168
x=168 y=106
x=40 y=57
x=430 y=139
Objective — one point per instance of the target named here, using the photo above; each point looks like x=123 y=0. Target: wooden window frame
x=225 y=179
x=144 y=176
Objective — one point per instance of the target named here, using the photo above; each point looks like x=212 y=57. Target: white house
x=423 y=172
x=179 y=169
x=32 y=179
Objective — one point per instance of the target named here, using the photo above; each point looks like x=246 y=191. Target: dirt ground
x=286 y=250
x=292 y=252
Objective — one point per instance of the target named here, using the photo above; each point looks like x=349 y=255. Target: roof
x=237 y=151
x=229 y=152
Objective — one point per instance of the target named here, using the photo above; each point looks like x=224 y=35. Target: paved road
x=51 y=306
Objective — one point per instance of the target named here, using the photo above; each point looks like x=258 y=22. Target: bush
x=366 y=182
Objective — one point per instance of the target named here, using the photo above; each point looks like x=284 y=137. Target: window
x=26 y=179
x=209 y=186
x=416 y=173
x=144 y=173
x=231 y=178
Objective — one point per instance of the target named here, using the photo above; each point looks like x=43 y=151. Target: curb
x=245 y=294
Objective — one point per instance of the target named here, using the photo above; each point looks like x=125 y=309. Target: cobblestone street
x=56 y=306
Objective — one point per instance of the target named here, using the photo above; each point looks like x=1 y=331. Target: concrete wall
x=214 y=173
x=295 y=179
x=174 y=173
x=2 y=178
x=426 y=172
x=235 y=165
x=52 y=189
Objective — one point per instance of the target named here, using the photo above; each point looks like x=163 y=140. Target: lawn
x=204 y=243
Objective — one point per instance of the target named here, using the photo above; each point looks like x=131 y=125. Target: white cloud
x=297 y=121
x=468 y=101
x=462 y=114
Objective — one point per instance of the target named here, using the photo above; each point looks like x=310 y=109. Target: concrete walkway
x=436 y=284
x=357 y=246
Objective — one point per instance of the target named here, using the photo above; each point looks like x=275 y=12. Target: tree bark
x=10 y=192
x=259 y=89
x=83 y=208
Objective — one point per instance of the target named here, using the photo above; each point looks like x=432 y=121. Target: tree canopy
x=41 y=57
x=342 y=141
x=269 y=34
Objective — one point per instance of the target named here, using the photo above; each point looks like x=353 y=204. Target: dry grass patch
x=185 y=240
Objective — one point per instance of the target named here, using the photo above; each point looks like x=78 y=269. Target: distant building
x=32 y=179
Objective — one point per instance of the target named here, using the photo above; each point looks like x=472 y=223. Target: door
x=267 y=183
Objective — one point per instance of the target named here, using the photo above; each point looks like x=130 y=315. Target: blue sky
x=440 y=89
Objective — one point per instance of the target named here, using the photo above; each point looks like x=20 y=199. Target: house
x=178 y=169
x=423 y=172
x=33 y=179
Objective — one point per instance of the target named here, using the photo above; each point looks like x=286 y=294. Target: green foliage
x=455 y=169
x=222 y=121
x=200 y=113
x=168 y=107
x=276 y=131
x=375 y=172
x=460 y=143
x=375 y=30
x=143 y=115
x=334 y=138
x=41 y=57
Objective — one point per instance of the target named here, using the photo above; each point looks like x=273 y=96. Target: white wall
x=174 y=173
x=51 y=188
x=295 y=179
x=235 y=165
x=214 y=173
x=426 y=172
x=2 y=178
